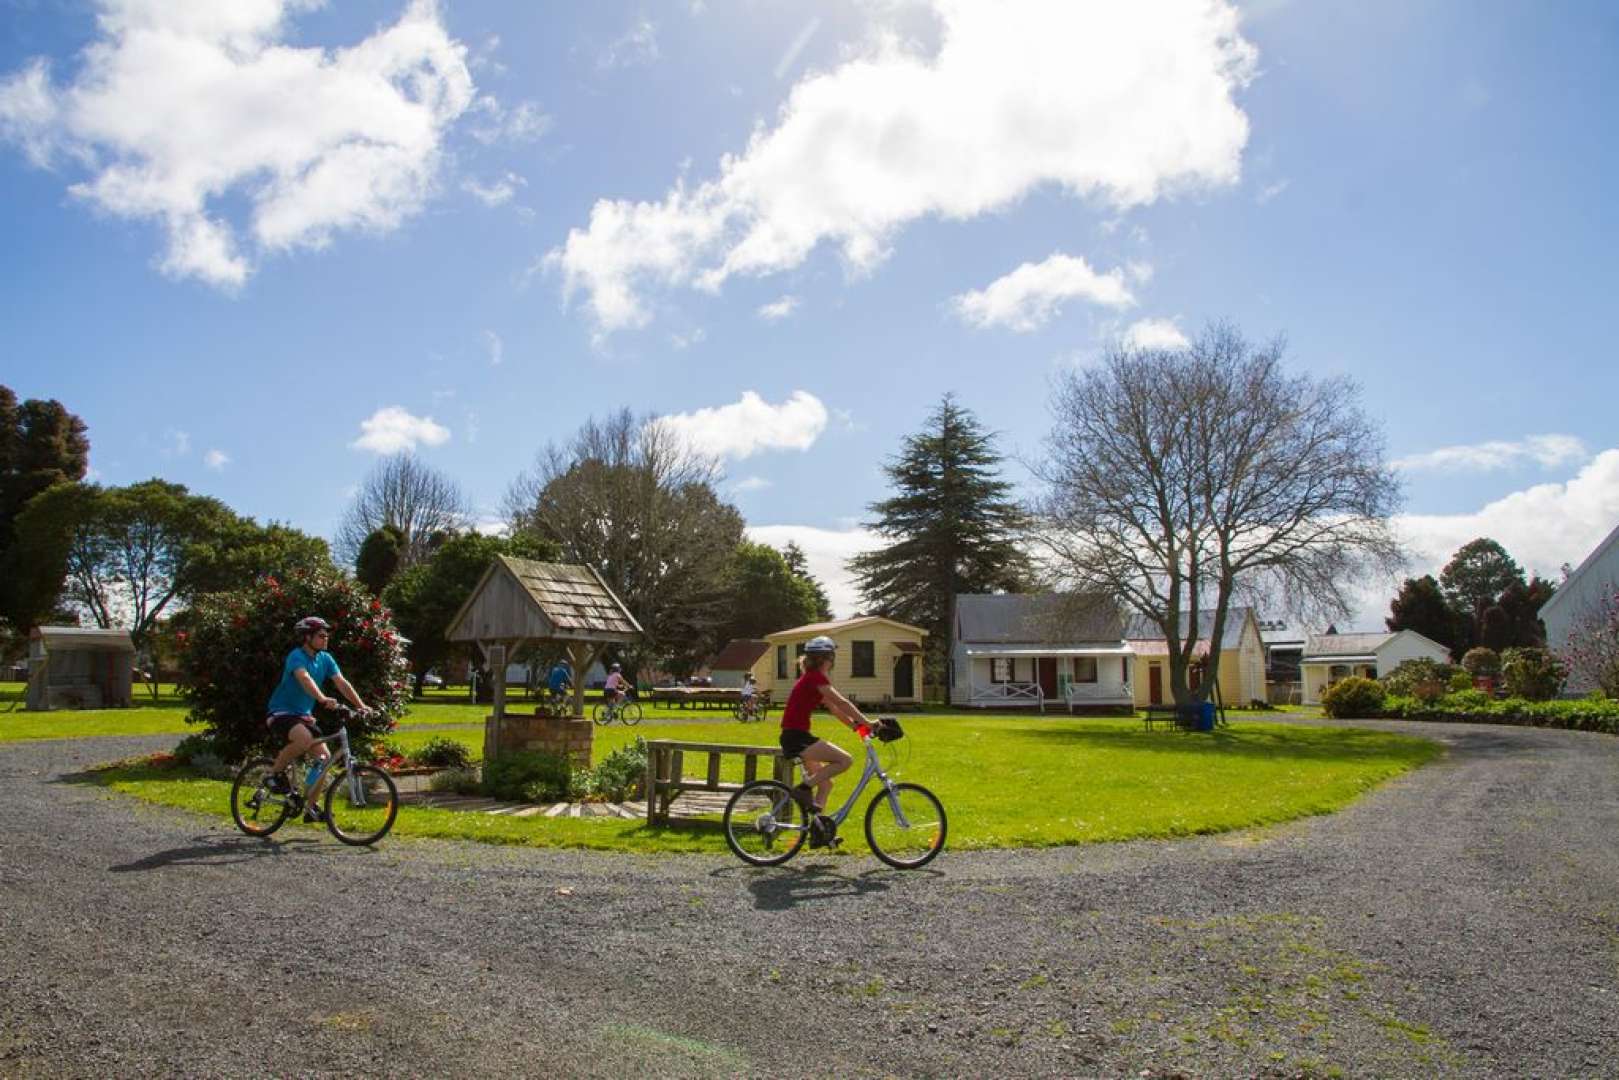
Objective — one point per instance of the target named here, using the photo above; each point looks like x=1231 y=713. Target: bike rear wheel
x=361 y=805
x=256 y=809
x=763 y=825
x=602 y=715
x=630 y=713
x=906 y=827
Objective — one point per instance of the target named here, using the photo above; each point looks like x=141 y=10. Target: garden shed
x=72 y=667
x=518 y=603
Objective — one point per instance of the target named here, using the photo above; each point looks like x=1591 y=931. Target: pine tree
x=799 y=565
x=951 y=529
x=1421 y=606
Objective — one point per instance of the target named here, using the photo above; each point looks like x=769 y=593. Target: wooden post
x=497 y=665
x=581 y=655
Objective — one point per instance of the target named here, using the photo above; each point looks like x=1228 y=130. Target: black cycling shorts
x=795 y=742
x=281 y=725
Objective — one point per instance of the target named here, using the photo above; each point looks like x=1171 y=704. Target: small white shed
x=1331 y=657
x=73 y=667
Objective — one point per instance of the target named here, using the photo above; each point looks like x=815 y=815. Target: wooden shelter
x=518 y=603
x=71 y=667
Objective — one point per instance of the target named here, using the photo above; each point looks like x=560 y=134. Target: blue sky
x=257 y=245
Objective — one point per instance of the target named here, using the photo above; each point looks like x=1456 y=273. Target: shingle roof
x=739 y=654
x=1141 y=628
x=521 y=600
x=573 y=597
x=1035 y=618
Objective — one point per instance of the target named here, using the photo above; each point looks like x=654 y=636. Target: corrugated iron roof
x=573 y=597
x=837 y=625
x=1344 y=645
x=1033 y=618
x=82 y=637
x=1141 y=628
x=739 y=654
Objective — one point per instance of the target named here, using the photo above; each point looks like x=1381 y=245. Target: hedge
x=1584 y=714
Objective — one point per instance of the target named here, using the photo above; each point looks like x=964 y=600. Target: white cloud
x=1122 y=104
x=778 y=309
x=790 y=57
x=1270 y=191
x=1548 y=451
x=497 y=348
x=750 y=483
x=1028 y=297
x=681 y=341
x=523 y=122
x=497 y=193
x=750 y=425
x=1155 y=334
x=176 y=443
x=636 y=47
x=178 y=110
x=216 y=460
x=392 y=429
x=826 y=551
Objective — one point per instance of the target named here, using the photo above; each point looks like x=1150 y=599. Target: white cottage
x=1030 y=651
x=1331 y=657
x=1594 y=581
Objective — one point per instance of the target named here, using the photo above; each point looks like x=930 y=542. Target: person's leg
x=298 y=740
x=822 y=762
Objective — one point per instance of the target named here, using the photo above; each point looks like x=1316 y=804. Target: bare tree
x=409 y=496
x=630 y=498
x=1177 y=480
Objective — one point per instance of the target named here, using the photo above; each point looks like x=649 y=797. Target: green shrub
x=1481 y=662
x=1353 y=697
x=1460 y=680
x=1468 y=700
x=441 y=752
x=459 y=781
x=1531 y=673
x=620 y=775
x=1421 y=678
x=234 y=645
x=528 y=776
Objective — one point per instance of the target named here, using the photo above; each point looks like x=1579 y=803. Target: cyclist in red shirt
x=822 y=760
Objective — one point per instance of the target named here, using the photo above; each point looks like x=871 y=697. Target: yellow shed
x=879 y=661
x=1241 y=677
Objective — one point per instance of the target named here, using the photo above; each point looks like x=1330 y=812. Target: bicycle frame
x=343 y=758
x=873 y=768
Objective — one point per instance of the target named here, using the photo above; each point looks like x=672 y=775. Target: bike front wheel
x=763 y=825
x=361 y=805
x=630 y=713
x=256 y=809
x=906 y=826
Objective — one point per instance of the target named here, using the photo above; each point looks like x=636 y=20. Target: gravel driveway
x=1463 y=920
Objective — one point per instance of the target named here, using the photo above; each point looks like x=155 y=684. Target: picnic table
x=696 y=697
x=666 y=779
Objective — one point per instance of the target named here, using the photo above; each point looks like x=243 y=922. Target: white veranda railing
x=1008 y=693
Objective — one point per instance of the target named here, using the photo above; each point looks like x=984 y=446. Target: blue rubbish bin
x=1205 y=716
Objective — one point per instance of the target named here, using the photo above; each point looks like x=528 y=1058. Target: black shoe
x=277 y=785
x=823 y=831
x=804 y=797
x=314 y=815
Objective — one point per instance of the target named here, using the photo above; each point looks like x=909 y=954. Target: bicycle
x=361 y=799
x=751 y=709
x=623 y=709
x=556 y=704
x=905 y=823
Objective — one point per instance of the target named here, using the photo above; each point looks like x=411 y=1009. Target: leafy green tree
x=951 y=528
x=382 y=553
x=1479 y=572
x=1420 y=605
x=799 y=565
x=41 y=445
x=424 y=598
x=765 y=595
x=1532 y=673
x=1519 y=605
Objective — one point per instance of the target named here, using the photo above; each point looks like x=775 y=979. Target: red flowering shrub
x=236 y=643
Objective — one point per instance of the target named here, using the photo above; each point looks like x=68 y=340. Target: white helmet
x=821 y=645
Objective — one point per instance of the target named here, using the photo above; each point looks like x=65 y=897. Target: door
x=1155 y=684
x=1046 y=672
x=904 y=678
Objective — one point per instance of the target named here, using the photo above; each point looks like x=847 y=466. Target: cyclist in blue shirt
x=561 y=678
x=292 y=706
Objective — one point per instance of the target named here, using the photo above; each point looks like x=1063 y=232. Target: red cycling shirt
x=805 y=696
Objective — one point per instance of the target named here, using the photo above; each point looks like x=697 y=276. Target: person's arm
x=307 y=681
x=843 y=708
x=349 y=692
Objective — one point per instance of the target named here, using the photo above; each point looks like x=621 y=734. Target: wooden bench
x=666 y=779
x=1164 y=714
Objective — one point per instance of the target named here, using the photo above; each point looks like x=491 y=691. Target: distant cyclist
x=750 y=694
x=822 y=760
x=559 y=681
x=292 y=706
x=617 y=685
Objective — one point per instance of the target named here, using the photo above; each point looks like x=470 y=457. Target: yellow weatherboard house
x=879 y=660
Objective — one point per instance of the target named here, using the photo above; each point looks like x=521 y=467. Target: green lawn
x=1007 y=781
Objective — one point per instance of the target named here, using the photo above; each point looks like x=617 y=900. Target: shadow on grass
x=219 y=851
x=1300 y=744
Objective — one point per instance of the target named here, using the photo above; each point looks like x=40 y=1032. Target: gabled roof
x=517 y=598
x=1141 y=628
x=81 y=637
x=1580 y=571
x=837 y=626
x=1344 y=645
x=739 y=654
x=1036 y=618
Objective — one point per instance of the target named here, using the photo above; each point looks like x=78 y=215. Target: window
x=1084 y=669
x=863 y=657
x=781 y=661
x=1000 y=669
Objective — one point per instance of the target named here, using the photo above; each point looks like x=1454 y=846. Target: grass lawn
x=1006 y=781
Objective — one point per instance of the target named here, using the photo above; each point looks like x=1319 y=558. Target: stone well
x=513 y=733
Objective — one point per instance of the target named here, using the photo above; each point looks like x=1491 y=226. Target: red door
x=1155 y=684
x=1047 y=673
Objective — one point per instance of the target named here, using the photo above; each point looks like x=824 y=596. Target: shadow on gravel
x=781 y=890
x=215 y=851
